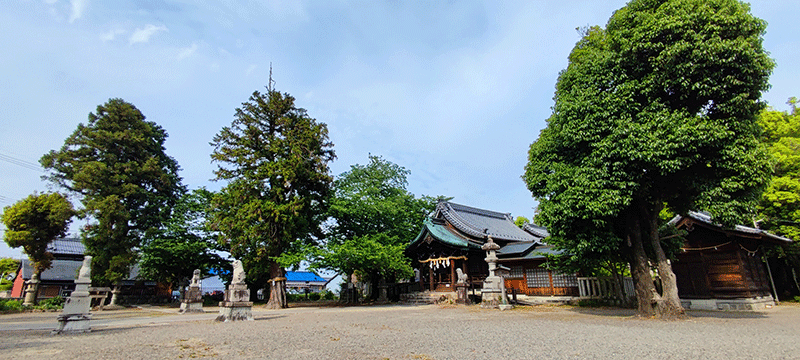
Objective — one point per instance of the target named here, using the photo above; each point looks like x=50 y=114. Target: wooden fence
x=603 y=288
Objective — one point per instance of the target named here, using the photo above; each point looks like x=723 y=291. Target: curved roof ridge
x=447 y=210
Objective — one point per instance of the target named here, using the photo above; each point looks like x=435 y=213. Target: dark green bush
x=53 y=303
x=10 y=305
x=313 y=296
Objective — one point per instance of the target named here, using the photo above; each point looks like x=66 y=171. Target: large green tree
x=659 y=108
x=779 y=207
x=274 y=158
x=118 y=167
x=183 y=244
x=33 y=223
x=372 y=217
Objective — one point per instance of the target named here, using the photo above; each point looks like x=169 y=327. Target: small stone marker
x=75 y=316
x=237 y=305
x=193 y=299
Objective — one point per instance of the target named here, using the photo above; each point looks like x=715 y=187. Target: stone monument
x=30 y=291
x=193 y=299
x=75 y=316
x=237 y=305
x=461 y=288
x=492 y=293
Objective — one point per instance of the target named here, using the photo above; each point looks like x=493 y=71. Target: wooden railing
x=604 y=288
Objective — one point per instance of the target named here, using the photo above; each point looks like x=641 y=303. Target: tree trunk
x=277 y=287
x=671 y=307
x=646 y=295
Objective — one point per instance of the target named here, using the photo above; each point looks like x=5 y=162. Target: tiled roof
x=516 y=249
x=473 y=221
x=66 y=246
x=303 y=276
x=62 y=270
x=536 y=230
x=706 y=218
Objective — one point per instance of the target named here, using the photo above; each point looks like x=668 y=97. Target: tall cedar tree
x=658 y=109
x=126 y=182
x=33 y=223
x=275 y=160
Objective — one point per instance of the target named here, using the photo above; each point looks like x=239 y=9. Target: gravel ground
x=411 y=332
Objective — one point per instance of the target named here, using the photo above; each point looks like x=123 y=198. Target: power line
x=20 y=162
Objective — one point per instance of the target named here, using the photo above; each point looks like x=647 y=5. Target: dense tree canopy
x=657 y=109
x=274 y=158
x=184 y=244
x=372 y=218
x=118 y=167
x=34 y=222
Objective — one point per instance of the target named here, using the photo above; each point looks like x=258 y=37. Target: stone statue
x=196 y=278
x=86 y=268
x=238 y=272
x=462 y=277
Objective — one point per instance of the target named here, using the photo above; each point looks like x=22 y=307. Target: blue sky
x=453 y=91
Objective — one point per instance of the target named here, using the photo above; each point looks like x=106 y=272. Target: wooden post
x=452 y=275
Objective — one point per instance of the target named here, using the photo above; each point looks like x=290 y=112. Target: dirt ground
x=410 y=332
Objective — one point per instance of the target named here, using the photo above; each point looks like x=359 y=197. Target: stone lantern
x=492 y=291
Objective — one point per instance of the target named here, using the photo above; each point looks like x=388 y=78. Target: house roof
x=539 y=252
x=536 y=230
x=303 y=276
x=516 y=249
x=741 y=229
x=61 y=270
x=66 y=246
x=480 y=222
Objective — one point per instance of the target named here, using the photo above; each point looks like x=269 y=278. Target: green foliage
x=117 y=165
x=274 y=158
x=373 y=199
x=8 y=305
x=659 y=108
x=314 y=296
x=184 y=244
x=34 y=222
x=54 y=303
x=373 y=216
x=366 y=256
x=779 y=207
x=7 y=266
x=521 y=221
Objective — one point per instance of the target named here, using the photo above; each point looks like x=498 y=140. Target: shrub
x=314 y=296
x=54 y=303
x=327 y=295
x=10 y=305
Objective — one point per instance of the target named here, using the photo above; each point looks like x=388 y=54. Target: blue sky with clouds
x=453 y=91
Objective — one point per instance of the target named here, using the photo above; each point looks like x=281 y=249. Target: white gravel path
x=411 y=332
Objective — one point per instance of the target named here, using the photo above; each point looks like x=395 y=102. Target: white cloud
x=187 y=51
x=77 y=8
x=250 y=69
x=143 y=35
x=111 y=34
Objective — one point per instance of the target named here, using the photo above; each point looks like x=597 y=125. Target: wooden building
x=451 y=238
x=722 y=269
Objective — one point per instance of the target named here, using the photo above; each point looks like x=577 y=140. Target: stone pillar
x=237 y=305
x=383 y=290
x=193 y=298
x=75 y=316
x=30 y=291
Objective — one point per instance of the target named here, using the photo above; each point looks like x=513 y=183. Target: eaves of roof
x=441 y=233
x=741 y=230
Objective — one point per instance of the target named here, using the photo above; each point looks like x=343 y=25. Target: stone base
x=756 y=304
x=73 y=323
x=191 y=307
x=462 y=295
x=504 y=307
x=235 y=311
